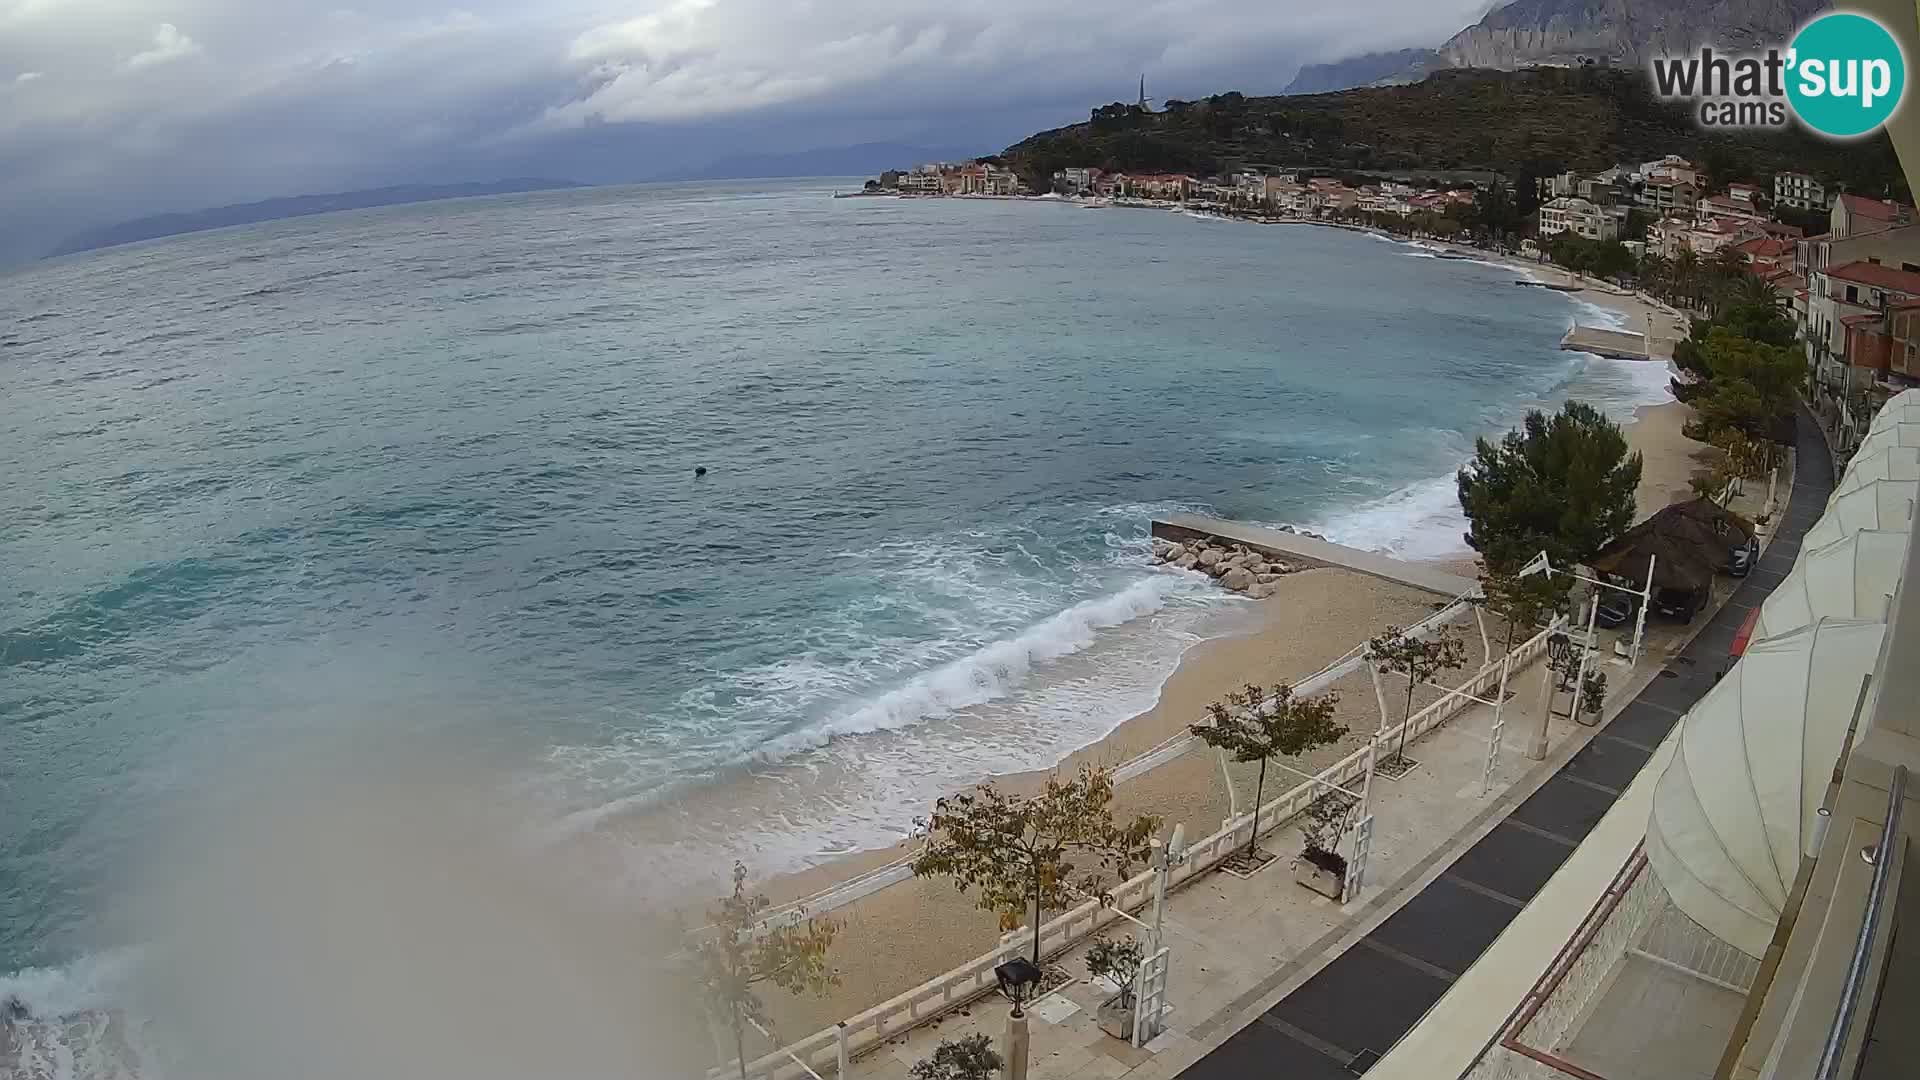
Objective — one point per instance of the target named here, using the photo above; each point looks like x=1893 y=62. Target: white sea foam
x=992 y=672
x=1604 y=318
x=92 y=982
x=1419 y=521
x=74 y=1029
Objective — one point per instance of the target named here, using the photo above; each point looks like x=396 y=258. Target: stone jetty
x=1235 y=566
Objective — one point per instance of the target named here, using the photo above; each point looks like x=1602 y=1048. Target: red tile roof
x=1764 y=247
x=1870 y=208
x=1880 y=277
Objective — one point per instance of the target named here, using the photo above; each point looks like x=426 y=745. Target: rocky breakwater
x=1237 y=567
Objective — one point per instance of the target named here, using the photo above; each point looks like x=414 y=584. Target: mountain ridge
x=1571 y=33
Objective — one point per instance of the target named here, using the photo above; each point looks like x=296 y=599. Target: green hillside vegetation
x=1516 y=124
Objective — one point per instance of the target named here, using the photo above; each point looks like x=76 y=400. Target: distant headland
x=158 y=225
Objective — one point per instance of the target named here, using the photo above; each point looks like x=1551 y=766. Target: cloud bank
x=110 y=108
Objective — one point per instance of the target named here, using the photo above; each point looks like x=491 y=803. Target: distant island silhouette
x=158 y=225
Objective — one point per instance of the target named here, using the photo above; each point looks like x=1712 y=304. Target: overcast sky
x=115 y=108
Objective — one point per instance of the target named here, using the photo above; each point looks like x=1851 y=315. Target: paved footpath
x=1339 y=1022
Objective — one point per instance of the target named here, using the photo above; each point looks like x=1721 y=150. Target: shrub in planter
x=1118 y=962
x=971 y=1058
x=1324 y=825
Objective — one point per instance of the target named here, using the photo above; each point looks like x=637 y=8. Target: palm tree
x=1656 y=273
x=1686 y=272
x=1752 y=289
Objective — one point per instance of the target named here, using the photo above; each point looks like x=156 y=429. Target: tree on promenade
x=1019 y=851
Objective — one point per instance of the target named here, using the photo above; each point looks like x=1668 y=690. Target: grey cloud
x=169 y=44
x=147 y=106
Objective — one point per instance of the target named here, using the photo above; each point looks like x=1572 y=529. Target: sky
x=111 y=109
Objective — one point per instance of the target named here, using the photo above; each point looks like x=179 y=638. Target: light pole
x=1539 y=564
x=1019 y=978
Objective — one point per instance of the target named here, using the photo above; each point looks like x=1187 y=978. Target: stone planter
x=1323 y=872
x=1116 y=1017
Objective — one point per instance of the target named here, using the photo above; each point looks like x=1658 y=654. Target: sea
x=431 y=475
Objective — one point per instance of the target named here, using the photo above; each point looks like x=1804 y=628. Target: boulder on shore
x=1259 y=590
x=1187 y=561
x=1209 y=556
x=1237 y=579
x=1256 y=566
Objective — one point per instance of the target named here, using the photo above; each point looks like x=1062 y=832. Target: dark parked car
x=1681 y=604
x=1742 y=556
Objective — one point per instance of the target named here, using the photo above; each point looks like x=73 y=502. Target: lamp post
x=1540 y=565
x=1019 y=978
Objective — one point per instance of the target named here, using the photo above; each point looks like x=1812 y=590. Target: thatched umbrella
x=1723 y=521
x=1677 y=561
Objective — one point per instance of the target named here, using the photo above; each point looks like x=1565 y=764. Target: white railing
x=975 y=978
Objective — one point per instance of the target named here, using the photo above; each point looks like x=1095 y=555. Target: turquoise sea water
x=427 y=474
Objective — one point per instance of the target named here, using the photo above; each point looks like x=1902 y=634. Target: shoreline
x=1652 y=429
x=899 y=936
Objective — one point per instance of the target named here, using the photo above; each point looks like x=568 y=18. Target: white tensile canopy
x=1892 y=463
x=1736 y=808
x=1895 y=413
x=1901 y=400
x=1879 y=439
x=1851 y=578
x=1881 y=504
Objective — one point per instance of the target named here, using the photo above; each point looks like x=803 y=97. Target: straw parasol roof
x=1721 y=520
x=1678 y=562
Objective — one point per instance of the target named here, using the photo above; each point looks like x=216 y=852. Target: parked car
x=1742 y=556
x=1681 y=604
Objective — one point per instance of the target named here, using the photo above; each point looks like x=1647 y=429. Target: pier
x=1616 y=344
x=1298 y=549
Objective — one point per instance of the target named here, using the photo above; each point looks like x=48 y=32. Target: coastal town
x=1846 y=265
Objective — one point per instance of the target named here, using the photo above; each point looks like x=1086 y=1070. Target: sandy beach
x=902 y=935
x=899 y=937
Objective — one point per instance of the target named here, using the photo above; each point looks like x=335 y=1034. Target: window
x=1853 y=294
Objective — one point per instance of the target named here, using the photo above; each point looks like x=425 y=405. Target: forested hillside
x=1513 y=123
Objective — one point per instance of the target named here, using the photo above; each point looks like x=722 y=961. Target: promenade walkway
x=1337 y=1023
x=1296 y=548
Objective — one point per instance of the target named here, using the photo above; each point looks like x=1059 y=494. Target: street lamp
x=1019 y=978
x=1019 y=981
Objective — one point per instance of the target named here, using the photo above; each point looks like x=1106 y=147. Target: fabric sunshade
x=1737 y=806
x=1882 y=504
x=1851 y=578
x=1891 y=435
x=1892 y=463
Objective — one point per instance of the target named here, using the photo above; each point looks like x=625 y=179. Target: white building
x=1799 y=191
x=1577 y=216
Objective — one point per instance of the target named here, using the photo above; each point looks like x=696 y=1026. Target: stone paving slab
x=1511 y=861
x=1363 y=1001
x=1448 y=925
x=1609 y=763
